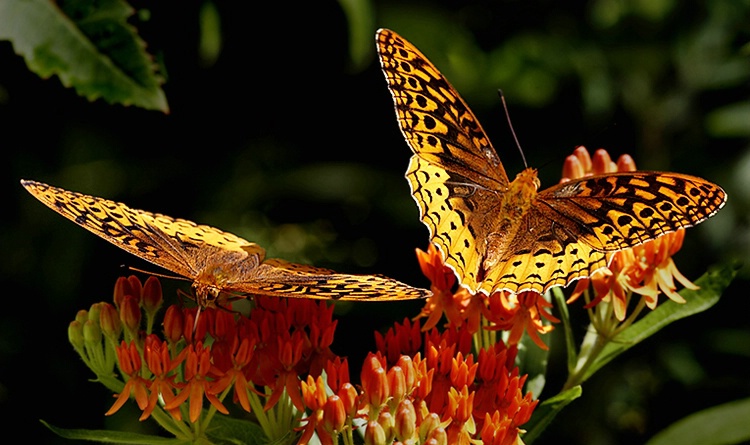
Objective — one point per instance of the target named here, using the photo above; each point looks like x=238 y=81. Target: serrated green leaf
x=720 y=425
x=546 y=411
x=88 y=45
x=712 y=284
x=119 y=437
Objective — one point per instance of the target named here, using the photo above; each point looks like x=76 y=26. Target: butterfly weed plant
x=466 y=369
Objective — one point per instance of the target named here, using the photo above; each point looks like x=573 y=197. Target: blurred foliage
x=280 y=129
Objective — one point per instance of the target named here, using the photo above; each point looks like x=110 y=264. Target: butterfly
x=217 y=262
x=498 y=234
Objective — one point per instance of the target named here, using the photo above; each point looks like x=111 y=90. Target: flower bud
x=374 y=382
x=429 y=423
x=396 y=383
x=386 y=421
x=602 y=162
x=349 y=398
x=174 y=324
x=438 y=436
x=374 y=434
x=109 y=321
x=334 y=416
x=75 y=334
x=406 y=421
x=572 y=168
x=626 y=164
x=584 y=158
x=82 y=316
x=152 y=296
x=130 y=314
x=92 y=334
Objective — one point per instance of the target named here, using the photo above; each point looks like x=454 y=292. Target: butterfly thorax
x=515 y=203
x=220 y=270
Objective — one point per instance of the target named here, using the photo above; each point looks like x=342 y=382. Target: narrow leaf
x=712 y=284
x=720 y=425
x=118 y=437
x=546 y=411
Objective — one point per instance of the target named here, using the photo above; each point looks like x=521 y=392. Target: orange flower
x=197 y=383
x=442 y=300
x=161 y=365
x=130 y=365
x=290 y=350
x=519 y=313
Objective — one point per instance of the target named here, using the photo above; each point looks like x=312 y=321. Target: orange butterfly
x=214 y=260
x=498 y=234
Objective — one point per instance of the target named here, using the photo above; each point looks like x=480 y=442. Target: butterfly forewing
x=436 y=122
x=454 y=165
x=494 y=240
x=622 y=210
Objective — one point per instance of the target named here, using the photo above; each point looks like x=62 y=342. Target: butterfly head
x=209 y=284
x=205 y=293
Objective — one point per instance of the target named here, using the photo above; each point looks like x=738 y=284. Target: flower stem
x=591 y=347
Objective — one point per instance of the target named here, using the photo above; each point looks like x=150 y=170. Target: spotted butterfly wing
x=216 y=261
x=498 y=234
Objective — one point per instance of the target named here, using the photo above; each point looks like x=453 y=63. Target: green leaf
x=546 y=411
x=225 y=429
x=712 y=284
x=88 y=44
x=106 y=436
x=720 y=425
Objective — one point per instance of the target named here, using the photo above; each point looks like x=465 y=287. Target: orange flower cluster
x=476 y=398
x=205 y=357
x=647 y=269
x=418 y=388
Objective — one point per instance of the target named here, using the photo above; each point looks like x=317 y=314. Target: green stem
x=179 y=429
x=592 y=346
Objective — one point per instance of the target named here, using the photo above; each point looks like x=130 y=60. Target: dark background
x=289 y=139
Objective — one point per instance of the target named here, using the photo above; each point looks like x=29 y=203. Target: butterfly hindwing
x=276 y=277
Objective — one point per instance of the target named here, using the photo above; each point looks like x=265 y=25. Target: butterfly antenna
x=156 y=274
x=510 y=124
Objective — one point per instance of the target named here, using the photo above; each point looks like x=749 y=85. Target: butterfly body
x=498 y=234
x=218 y=263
